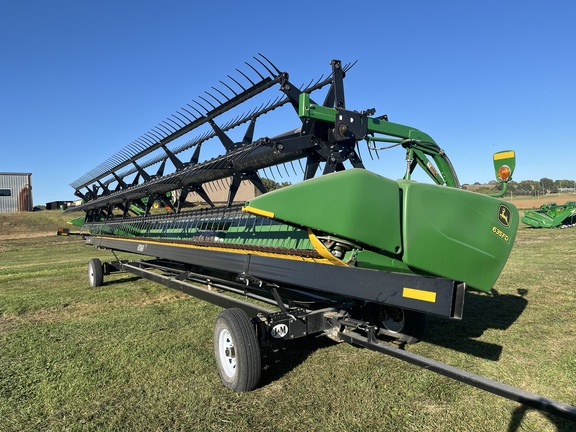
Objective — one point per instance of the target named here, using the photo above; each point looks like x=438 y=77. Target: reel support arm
x=358 y=126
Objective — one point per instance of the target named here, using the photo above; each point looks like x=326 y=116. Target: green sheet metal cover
x=457 y=234
x=354 y=204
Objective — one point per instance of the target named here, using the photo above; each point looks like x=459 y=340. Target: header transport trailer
x=349 y=254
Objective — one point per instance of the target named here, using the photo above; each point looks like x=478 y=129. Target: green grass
x=133 y=355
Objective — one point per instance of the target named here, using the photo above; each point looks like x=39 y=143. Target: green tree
x=273 y=185
x=546 y=184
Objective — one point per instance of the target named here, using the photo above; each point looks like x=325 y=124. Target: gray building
x=15 y=192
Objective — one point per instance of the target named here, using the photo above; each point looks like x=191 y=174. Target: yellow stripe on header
x=417 y=294
x=258 y=212
x=504 y=155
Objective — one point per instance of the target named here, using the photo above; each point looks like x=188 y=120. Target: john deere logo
x=504 y=215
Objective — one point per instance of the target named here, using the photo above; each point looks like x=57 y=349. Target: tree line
x=527 y=187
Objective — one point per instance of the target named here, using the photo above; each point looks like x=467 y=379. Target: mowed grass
x=134 y=355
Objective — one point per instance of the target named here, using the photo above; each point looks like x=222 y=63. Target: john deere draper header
x=345 y=217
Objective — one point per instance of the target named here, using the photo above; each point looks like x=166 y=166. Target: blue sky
x=81 y=79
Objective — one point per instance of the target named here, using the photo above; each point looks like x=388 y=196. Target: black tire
x=95 y=273
x=237 y=351
x=405 y=326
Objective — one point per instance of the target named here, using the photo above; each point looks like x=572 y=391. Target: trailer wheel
x=403 y=325
x=237 y=351
x=95 y=272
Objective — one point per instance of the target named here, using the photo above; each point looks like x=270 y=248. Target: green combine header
x=346 y=253
x=345 y=248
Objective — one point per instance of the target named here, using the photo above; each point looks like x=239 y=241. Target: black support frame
x=349 y=282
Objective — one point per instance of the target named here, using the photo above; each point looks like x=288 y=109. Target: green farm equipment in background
x=552 y=216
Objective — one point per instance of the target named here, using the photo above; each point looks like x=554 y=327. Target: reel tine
x=349 y=66
x=265 y=67
x=202 y=106
x=213 y=97
x=317 y=82
x=177 y=125
x=151 y=136
x=239 y=85
x=226 y=125
x=190 y=113
x=199 y=113
x=278 y=72
x=301 y=167
x=146 y=139
x=120 y=156
x=156 y=134
x=265 y=174
x=183 y=115
x=226 y=97
x=160 y=131
x=130 y=150
x=169 y=126
x=245 y=76
x=308 y=85
x=256 y=70
x=164 y=129
x=133 y=149
x=369 y=151
x=358 y=153
x=229 y=88
x=179 y=119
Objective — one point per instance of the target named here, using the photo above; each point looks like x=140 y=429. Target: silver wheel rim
x=91 y=273
x=227 y=353
x=394 y=324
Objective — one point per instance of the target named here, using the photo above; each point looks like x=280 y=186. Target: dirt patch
x=23 y=235
x=164 y=297
x=534 y=203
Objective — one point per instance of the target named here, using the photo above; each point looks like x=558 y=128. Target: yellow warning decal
x=417 y=294
x=504 y=155
x=258 y=212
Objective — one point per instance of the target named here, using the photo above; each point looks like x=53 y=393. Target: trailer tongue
x=350 y=254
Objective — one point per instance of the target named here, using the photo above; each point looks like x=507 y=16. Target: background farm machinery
x=349 y=254
x=552 y=216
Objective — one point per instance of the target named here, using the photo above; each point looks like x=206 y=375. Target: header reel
x=327 y=134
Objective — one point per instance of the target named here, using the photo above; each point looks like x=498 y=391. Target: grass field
x=133 y=355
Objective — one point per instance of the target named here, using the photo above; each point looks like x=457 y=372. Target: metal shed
x=15 y=192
